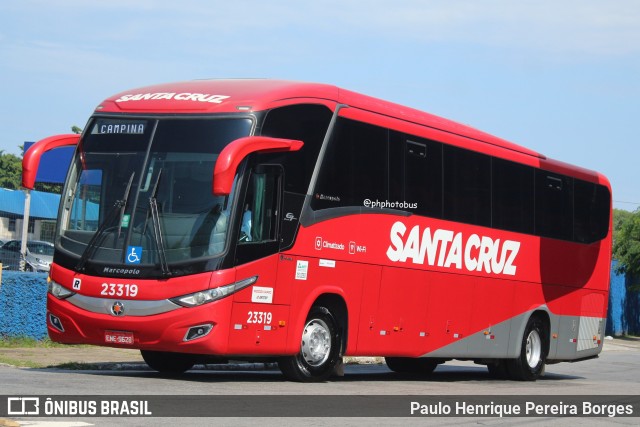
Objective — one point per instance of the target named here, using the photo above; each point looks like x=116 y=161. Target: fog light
x=196 y=332
x=55 y=322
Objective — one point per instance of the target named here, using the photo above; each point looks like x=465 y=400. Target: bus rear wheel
x=411 y=365
x=319 y=349
x=529 y=366
x=167 y=362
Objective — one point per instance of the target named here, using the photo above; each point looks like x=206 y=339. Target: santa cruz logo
x=117 y=309
x=186 y=96
x=444 y=248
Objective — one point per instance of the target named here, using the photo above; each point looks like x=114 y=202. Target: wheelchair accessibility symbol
x=134 y=253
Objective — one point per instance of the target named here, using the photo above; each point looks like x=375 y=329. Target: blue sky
x=559 y=76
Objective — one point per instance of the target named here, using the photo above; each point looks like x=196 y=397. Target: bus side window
x=354 y=168
x=590 y=212
x=258 y=223
x=259 y=214
x=260 y=210
x=554 y=205
x=421 y=172
x=467 y=186
x=513 y=196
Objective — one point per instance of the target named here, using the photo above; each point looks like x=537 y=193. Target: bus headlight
x=203 y=297
x=59 y=291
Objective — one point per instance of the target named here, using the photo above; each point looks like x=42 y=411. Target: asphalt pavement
x=73 y=356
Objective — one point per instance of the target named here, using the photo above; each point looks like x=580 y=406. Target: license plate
x=118 y=337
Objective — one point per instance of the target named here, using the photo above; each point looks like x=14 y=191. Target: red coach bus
x=299 y=223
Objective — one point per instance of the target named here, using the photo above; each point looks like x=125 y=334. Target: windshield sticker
x=134 y=254
x=198 y=97
x=125 y=221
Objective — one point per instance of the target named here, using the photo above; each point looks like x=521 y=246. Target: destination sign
x=119 y=127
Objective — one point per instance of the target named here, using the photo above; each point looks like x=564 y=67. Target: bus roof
x=234 y=95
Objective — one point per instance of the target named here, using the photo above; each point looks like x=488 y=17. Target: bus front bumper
x=197 y=330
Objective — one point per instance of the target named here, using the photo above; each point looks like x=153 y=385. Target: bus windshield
x=139 y=193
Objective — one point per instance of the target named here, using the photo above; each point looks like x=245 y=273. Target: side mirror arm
x=31 y=159
x=231 y=156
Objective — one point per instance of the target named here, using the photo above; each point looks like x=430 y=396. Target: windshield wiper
x=118 y=206
x=157 y=231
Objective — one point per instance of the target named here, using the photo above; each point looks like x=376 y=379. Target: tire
x=411 y=365
x=320 y=349
x=167 y=362
x=529 y=366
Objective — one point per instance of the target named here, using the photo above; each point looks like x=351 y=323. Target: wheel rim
x=316 y=342
x=533 y=349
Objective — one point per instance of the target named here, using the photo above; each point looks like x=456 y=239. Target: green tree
x=48 y=188
x=11 y=175
x=620 y=216
x=626 y=244
x=10 y=171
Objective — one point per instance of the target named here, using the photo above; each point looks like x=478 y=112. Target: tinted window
x=591 y=211
x=198 y=136
x=307 y=123
x=443 y=181
x=416 y=174
x=554 y=205
x=354 y=167
x=467 y=186
x=260 y=208
x=512 y=205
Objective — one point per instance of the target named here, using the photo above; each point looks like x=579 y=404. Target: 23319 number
x=259 y=317
x=119 y=290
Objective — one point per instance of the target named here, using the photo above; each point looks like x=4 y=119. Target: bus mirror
x=31 y=159
x=236 y=151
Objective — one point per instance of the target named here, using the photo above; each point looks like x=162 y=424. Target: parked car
x=39 y=255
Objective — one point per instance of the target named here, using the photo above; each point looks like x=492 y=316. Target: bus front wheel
x=319 y=349
x=166 y=362
x=533 y=352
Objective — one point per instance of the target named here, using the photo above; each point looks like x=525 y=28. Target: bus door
x=262 y=310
